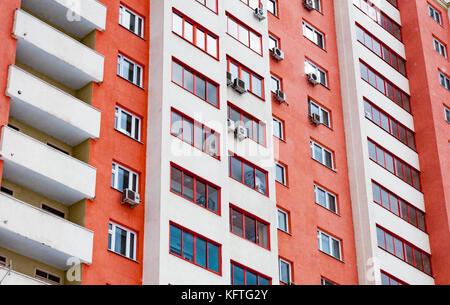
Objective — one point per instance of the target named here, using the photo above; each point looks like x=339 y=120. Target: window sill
x=287 y=233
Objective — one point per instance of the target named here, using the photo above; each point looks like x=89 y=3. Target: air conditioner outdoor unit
x=308 y=4
x=239 y=85
x=231 y=126
x=241 y=133
x=315 y=119
x=229 y=79
x=130 y=197
x=277 y=54
x=260 y=13
x=280 y=96
x=313 y=78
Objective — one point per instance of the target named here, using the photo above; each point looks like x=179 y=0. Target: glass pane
x=318 y=153
x=328 y=159
x=249 y=175
x=189 y=81
x=244 y=35
x=237 y=223
x=250 y=229
x=120 y=243
x=325 y=243
x=238 y=275
x=394 y=204
x=232 y=28
x=282 y=223
x=412 y=216
x=177 y=73
x=380 y=238
x=188 y=31
x=175 y=181
x=426 y=263
x=188 y=246
x=213 y=199
x=255 y=42
x=252 y=279
x=404 y=210
x=200 y=252
x=188 y=187
x=263 y=281
x=212 y=45
x=200 y=39
x=385 y=199
x=236 y=169
x=284 y=272
x=257 y=86
x=123 y=179
x=421 y=220
x=200 y=193
x=188 y=131
x=279 y=174
x=261 y=180
x=389 y=243
x=376 y=192
x=398 y=248
x=380 y=156
x=199 y=140
x=409 y=254
x=245 y=76
x=212 y=94
x=418 y=259
x=262 y=231
x=213 y=257
x=332 y=203
x=336 y=249
x=177 y=125
x=175 y=240
x=178 y=24
x=200 y=87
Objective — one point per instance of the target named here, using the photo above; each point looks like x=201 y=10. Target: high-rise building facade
x=224 y=142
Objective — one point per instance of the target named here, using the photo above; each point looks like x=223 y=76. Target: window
x=283 y=221
x=322 y=155
x=127 y=123
x=252 y=3
x=3 y=261
x=272 y=7
x=132 y=21
x=248 y=174
x=444 y=80
x=381 y=50
x=244 y=34
x=274 y=42
x=447 y=114
x=389 y=124
x=314 y=35
x=195 y=83
x=280 y=173
x=123 y=178
x=211 y=4
x=194 y=248
x=122 y=241
x=321 y=74
x=278 y=128
x=253 y=82
x=324 y=114
x=394 y=165
x=285 y=271
x=58 y=149
x=194 y=189
x=325 y=199
x=14 y=127
x=393 y=2
x=440 y=47
x=379 y=17
x=249 y=227
x=7 y=191
x=129 y=70
x=275 y=84
x=316 y=5
x=329 y=244
x=241 y=275
x=380 y=83
x=398 y=206
x=435 y=14
x=195 y=34
x=387 y=279
x=325 y=282
x=47 y=277
x=194 y=133
x=53 y=211
x=404 y=250
x=256 y=129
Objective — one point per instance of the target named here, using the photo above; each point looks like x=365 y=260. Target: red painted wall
x=298 y=198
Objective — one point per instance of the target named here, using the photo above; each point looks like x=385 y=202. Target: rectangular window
x=211 y=4
x=195 y=189
x=322 y=155
x=3 y=261
x=53 y=211
x=325 y=199
x=195 y=34
x=252 y=3
x=195 y=133
x=195 y=83
x=447 y=114
x=324 y=114
x=285 y=271
x=329 y=244
x=249 y=227
x=280 y=173
x=241 y=275
x=248 y=174
x=314 y=35
x=435 y=14
x=404 y=250
x=398 y=206
x=129 y=70
x=444 y=80
x=132 y=21
x=321 y=74
x=274 y=42
x=194 y=248
x=283 y=221
x=253 y=82
x=389 y=124
x=47 y=277
x=244 y=34
x=7 y=191
x=122 y=241
x=127 y=123
x=278 y=128
x=381 y=50
x=124 y=178
x=256 y=129
x=387 y=279
x=275 y=84
x=386 y=87
x=440 y=47
x=272 y=7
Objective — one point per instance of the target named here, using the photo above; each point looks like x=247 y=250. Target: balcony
x=45 y=170
x=78 y=17
x=15 y=278
x=42 y=236
x=54 y=53
x=47 y=108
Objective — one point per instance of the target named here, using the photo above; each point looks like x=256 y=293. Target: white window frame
x=325 y=282
x=136 y=71
x=282 y=261
x=313 y=34
x=281 y=124
x=112 y=231
x=317 y=5
x=139 y=30
x=115 y=177
x=277 y=81
x=310 y=67
x=441 y=48
x=432 y=12
x=118 y=126
x=286 y=220
x=321 y=112
x=284 y=182
x=317 y=189
x=446 y=81
x=331 y=244
x=46 y=279
x=275 y=40
x=323 y=154
x=275 y=6
x=447 y=114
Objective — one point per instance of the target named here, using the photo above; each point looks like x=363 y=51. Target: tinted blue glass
x=213 y=257
x=175 y=240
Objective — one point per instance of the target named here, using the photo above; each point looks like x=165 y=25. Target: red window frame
x=254 y=120
x=252 y=74
x=195 y=236
x=195 y=75
x=404 y=243
x=391 y=277
x=381 y=18
x=392 y=55
x=404 y=99
x=394 y=166
x=249 y=29
x=202 y=2
x=394 y=200
x=256 y=219
x=243 y=161
x=247 y=2
x=390 y=121
x=195 y=26
x=202 y=126
x=247 y=269
x=195 y=179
